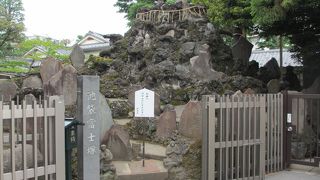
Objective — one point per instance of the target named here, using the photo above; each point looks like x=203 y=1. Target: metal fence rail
x=233 y=137
x=38 y=130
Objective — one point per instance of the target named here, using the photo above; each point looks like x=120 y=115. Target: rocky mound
x=180 y=61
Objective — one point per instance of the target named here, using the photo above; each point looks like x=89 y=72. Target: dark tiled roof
x=263 y=56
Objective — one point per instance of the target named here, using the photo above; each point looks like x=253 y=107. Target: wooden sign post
x=144 y=108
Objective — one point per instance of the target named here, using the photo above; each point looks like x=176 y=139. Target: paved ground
x=294 y=175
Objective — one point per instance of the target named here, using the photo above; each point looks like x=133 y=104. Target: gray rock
x=201 y=68
x=105 y=114
x=170 y=33
x=49 y=67
x=191 y=120
x=77 y=56
x=119 y=108
x=314 y=88
x=298 y=150
x=117 y=141
x=8 y=89
x=241 y=50
x=64 y=83
x=249 y=91
x=273 y=86
x=29 y=98
x=132 y=90
x=33 y=82
x=147 y=41
x=187 y=48
x=272 y=69
x=166 y=124
x=19 y=158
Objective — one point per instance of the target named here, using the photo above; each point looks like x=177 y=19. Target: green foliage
x=50 y=49
x=228 y=14
x=273 y=42
x=11 y=25
x=169 y=2
x=135 y=7
x=13 y=66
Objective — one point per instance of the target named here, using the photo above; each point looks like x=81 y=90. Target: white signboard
x=289 y=116
x=144 y=103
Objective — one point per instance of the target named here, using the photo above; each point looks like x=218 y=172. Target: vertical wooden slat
x=221 y=130
x=249 y=135
x=212 y=133
x=232 y=135
x=227 y=137
x=13 y=141
x=205 y=137
x=268 y=133
x=59 y=138
x=281 y=130
x=238 y=138
x=278 y=131
x=1 y=142
x=244 y=137
x=272 y=133
x=45 y=119
x=35 y=139
x=24 y=139
x=262 y=136
x=254 y=135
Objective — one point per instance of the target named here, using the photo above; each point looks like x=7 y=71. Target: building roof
x=263 y=56
x=94 y=42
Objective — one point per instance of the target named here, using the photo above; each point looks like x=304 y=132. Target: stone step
x=152 y=151
x=133 y=170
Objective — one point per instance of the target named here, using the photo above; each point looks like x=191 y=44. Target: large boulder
x=77 y=56
x=270 y=70
x=105 y=115
x=64 y=83
x=33 y=82
x=273 y=86
x=19 y=159
x=241 y=50
x=8 y=89
x=191 y=120
x=201 y=68
x=315 y=88
x=49 y=67
x=119 y=108
x=166 y=124
x=117 y=141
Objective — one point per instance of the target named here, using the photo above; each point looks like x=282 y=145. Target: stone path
x=293 y=175
x=133 y=170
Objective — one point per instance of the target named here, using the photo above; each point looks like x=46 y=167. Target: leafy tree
x=13 y=66
x=11 y=25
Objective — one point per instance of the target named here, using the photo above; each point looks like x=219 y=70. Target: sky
x=66 y=19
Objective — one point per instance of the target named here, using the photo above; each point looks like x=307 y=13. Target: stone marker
x=166 y=124
x=64 y=83
x=191 y=120
x=89 y=134
x=33 y=82
x=105 y=114
x=157 y=109
x=200 y=65
x=48 y=68
x=7 y=89
x=273 y=86
x=77 y=56
x=242 y=50
x=118 y=142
